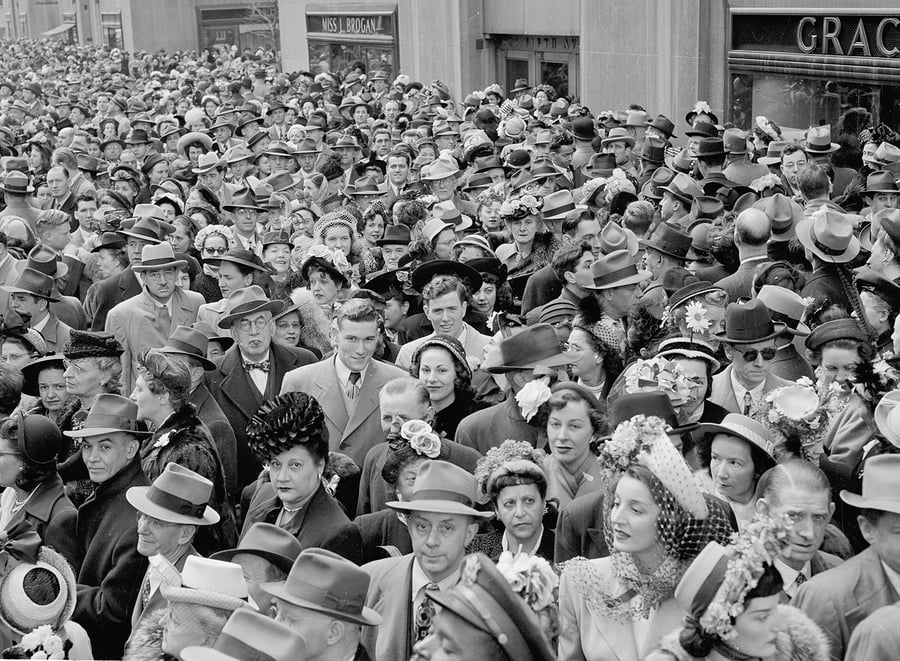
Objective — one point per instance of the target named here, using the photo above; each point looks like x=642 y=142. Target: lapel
x=282 y=362
x=237 y=386
x=723 y=393
x=50 y=331
x=128 y=284
x=395 y=606
x=183 y=314
x=326 y=390
x=367 y=401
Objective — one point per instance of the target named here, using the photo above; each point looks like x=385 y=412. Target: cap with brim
x=617 y=269
x=837 y=329
x=110 y=414
x=179 y=347
x=748 y=323
x=536 y=346
x=691 y=291
x=267 y=541
x=879 y=485
x=322 y=264
x=887 y=417
x=159 y=256
x=747 y=429
x=650 y=403
x=791 y=308
x=109 y=241
x=428 y=270
x=212 y=335
x=32 y=369
x=247 y=301
x=442 y=488
x=689 y=348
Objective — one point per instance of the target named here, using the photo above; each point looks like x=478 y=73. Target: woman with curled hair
x=440 y=363
x=512 y=482
x=656 y=521
x=575 y=423
x=532 y=246
x=33 y=491
x=732 y=595
x=162 y=392
x=289 y=437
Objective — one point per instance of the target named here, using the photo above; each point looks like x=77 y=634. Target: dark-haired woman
x=440 y=363
x=33 y=492
x=575 y=421
x=162 y=392
x=288 y=435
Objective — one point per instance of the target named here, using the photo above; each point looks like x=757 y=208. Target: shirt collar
x=739 y=389
x=244 y=358
x=504 y=542
x=789 y=575
x=420 y=579
x=343 y=373
x=892 y=576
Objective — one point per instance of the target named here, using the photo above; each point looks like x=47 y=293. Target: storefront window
x=340 y=57
x=548 y=60
x=798 y=103
x=557 y=75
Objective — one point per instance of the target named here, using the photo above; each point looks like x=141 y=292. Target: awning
x=59 y=29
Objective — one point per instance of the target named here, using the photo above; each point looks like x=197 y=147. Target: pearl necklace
x=291 y=510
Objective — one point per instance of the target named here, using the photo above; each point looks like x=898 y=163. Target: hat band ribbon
x=826 y=249
x=710 y=586
x=176 y=504
x=821 y=148
x=615 y=276
x=442 y=494
x=566 y=208
x=238 y=649
x=104 y=421
x=323 y=597
x=143 y=232
x=687 y=346
x=782 y=226
x=180 y=345
x=750 y=334
x=785 y=319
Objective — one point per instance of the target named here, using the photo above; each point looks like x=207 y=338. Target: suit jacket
x=103 y=296
x=738 y=284
x=381 y=530
x=841 y=598
x=489 y=427
x=542 y=287
x=136 y=324
x=111 y=570
x=8 y=275
x=474 y=345
x=876 y=637
x=354 y=435
x=824 y=282
x=723 y=393
x=210 y=413
x=320 y=524
x=70 y=310
x=239 y=399
x=586 y=636
x=790 y=365
x=56 y=334
x=390 y=595
x=156 y=601
x=374 y=492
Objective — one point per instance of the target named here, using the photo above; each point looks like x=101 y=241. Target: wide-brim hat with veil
x=688 y=520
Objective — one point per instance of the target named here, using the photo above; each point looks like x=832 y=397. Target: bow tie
x=265 y=366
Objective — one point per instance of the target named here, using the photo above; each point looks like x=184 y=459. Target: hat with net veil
x=688 y=520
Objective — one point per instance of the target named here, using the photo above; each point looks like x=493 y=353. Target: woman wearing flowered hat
x=531 y=247
x=732 y=596
x=655 y=521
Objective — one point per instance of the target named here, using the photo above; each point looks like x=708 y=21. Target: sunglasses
x=767 y=354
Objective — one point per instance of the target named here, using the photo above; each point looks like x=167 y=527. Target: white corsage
x=421 y=438
x=163 y=440
x=532 y=395
x=531 y=577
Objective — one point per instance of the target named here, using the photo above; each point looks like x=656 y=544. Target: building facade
x=779 y=58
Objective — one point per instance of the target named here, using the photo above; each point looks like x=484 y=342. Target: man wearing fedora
x=148 y=318
x=111 y=569
x=191 y=346
x=30 y=297
x=752 y=230
x=169 y=513
x=841 y=598
x=881 y=192
x=880 y=299
x=250 y=635
x=830 y=245
x=738 y=166
x=106 y=294
x=245 y=212
x=819 y=148
x=16 y=189
x=665 y=250
x=324 y=600
x=786 y=306
x=749 y=343
x=677 y=197
x=442 y=521
x=210 y=172
x=532 y=353
x=265 y=553
x=347 y=384
x=620 y=143
x=252 y=370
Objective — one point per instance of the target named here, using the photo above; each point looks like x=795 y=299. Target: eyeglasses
x=13 y=357
x=215 y=251
x=71 y=364
x=750 y=354
x=245 y=324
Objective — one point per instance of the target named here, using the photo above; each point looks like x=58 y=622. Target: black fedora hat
x=746 y=323
x=533 y=347
x=190 y=342
x=669 y=240
x=655 y=403
x=664 y=125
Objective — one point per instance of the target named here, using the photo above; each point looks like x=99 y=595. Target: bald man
x=752 y=230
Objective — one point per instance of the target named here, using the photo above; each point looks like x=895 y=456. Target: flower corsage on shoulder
x=421 y=438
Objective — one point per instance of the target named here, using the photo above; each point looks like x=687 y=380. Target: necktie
x=145 y=591
x=265 y=366
x=425 y=613
x=800 y=580
x=165 y=320
x=748 y=400
x=353 y=389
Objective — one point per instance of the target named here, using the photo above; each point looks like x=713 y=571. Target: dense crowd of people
x=342 y=365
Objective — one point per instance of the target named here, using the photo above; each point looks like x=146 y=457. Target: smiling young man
x=111 y=570
x=148 y=318
x=442 y=522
